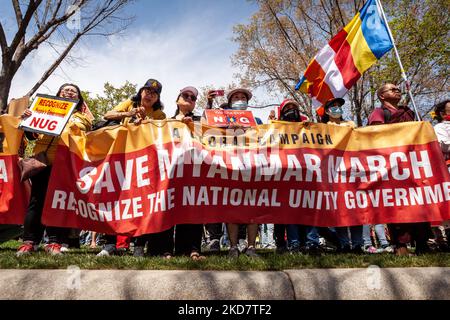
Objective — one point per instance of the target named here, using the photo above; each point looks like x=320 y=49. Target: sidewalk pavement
x=372 y=283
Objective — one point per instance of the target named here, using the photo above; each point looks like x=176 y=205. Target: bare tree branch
x=3 y=43
x=17 y=11
x=20 y=35
x=101 y=15
x=43 y=19
x=55 y=65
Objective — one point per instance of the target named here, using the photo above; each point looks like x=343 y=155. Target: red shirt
x=402 y=114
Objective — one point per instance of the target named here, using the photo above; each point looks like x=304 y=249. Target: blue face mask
x=239 y=105
x=335 y=112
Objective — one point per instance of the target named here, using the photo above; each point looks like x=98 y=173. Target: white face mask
x=335 y=112
x=239 y=105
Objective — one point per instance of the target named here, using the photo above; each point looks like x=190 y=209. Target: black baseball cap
x=153 y=84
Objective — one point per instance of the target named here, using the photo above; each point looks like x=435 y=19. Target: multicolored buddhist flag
x=337 y=67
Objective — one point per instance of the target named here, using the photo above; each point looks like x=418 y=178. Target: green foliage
x=111 y=97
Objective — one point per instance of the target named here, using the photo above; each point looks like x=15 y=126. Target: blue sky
x=178 y=42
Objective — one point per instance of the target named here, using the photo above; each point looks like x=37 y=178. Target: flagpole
x=408 y=87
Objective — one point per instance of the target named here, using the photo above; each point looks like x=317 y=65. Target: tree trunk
x=5 y=86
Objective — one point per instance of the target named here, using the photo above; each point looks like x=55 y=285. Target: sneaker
x=65 y=247
x=213 y=246
x=251 y=252
x=108 y=250
x=26 y=248
x=53 y=248
x=138 y=251
x=233 y=253
x=370 y=249
x=387 y=249
x=294 y=249
x=242 y=245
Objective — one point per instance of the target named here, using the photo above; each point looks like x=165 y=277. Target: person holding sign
x=33 y=228
x=238 y=100
x=332 y=115
x=146 y=104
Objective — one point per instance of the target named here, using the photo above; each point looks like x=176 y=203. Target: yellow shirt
x=127 y=105
x=78 y=119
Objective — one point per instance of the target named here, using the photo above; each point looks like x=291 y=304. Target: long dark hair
x=80 y=97
x=440 y=107
x=137 y=101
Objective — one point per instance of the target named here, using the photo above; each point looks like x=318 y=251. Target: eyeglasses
x=189 y=96
x=392 y=89
x=69 y=90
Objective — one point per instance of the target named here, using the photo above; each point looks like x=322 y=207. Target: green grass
x=86 y=259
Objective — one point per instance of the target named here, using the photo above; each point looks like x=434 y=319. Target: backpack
x=105 y=123
x=387 y=115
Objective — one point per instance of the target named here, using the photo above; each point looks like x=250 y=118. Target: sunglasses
x=189 y=96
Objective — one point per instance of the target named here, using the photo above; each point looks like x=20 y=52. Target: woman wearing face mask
x=333 y=115
x=238 y=100
x=33 y=228
x=300 y=237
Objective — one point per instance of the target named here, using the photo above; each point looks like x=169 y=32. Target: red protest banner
x=136 y=180
x=14 y=195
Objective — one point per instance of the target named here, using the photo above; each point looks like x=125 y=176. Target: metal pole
x=408 y=87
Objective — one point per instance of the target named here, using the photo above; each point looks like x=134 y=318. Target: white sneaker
x=103 y=253
x=388 y=249
x=242 y=245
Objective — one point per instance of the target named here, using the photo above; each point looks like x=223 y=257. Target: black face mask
x=292 y=115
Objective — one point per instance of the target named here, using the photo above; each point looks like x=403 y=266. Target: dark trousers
x=403 y=233
x=9 y=231
x=33 y=228
x=158 y=244
x=188 y=238
x=242 y=231
x=279 y=233
x=214 y=230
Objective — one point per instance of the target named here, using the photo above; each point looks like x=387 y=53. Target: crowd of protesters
x=192 y=239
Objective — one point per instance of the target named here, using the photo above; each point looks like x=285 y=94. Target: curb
x=372 y=283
